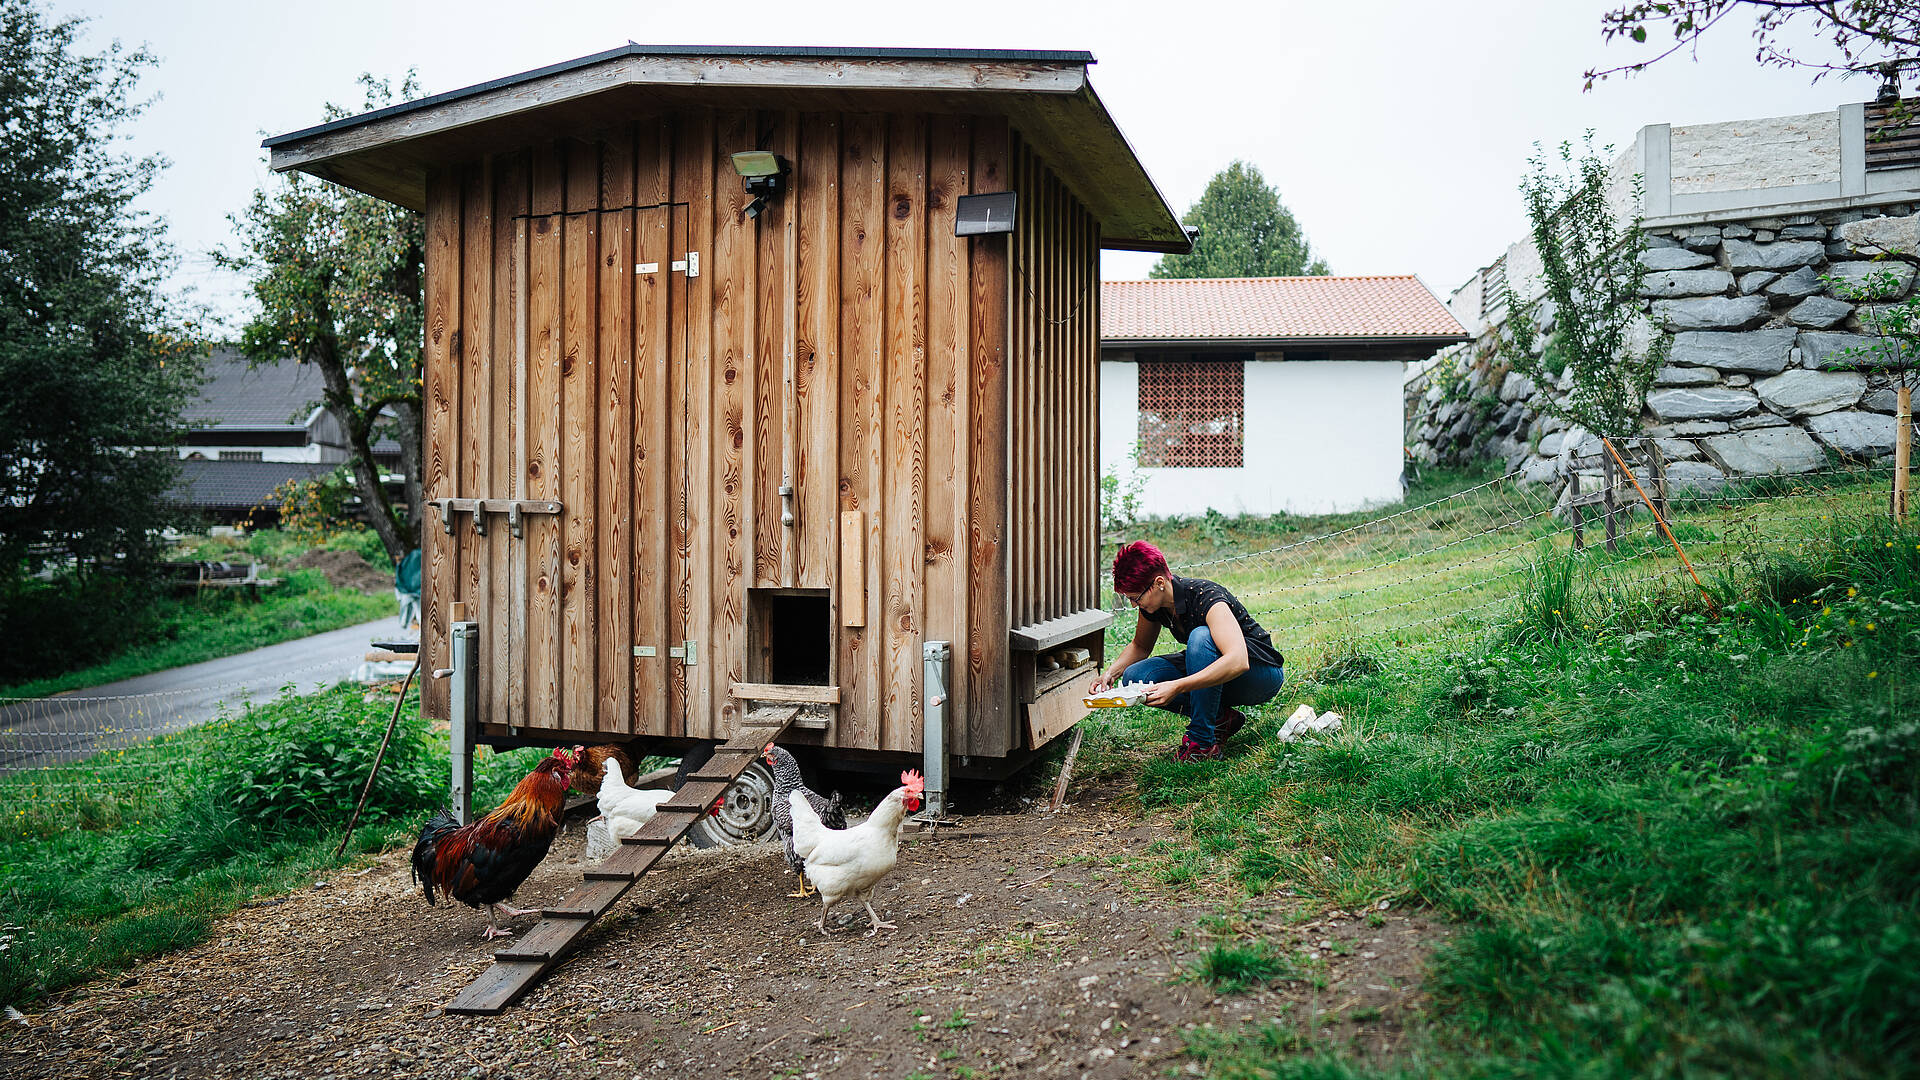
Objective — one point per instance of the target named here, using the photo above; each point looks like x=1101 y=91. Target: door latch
x=687 y=652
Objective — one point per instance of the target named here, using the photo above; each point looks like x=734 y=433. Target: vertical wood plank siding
x=845 y=342
x=440 y=393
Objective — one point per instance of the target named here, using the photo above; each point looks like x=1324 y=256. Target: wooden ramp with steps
x=518 y=965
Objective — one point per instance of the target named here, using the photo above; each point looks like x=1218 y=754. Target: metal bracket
x=479 y=520
x=446 y=517
x=514 y=523
x=688 y=652
x=643 y=650
x=693 y=264
x=786 y=502
x=936 y=656
x=463 y=713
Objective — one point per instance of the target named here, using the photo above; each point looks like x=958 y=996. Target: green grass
x=1235 y=966
x=249 y=805
x=1451 y=562
x=174 y=631
x=1675 y=838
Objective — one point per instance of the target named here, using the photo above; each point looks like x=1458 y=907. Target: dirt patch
x=1028 y=944
x=345 y=570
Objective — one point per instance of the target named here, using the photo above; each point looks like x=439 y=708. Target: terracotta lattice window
x=1192 y=414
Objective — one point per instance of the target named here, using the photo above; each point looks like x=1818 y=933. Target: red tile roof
x=1273 y=309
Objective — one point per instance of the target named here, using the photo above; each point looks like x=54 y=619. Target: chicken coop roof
x=1046 y=95
x=1396 y=308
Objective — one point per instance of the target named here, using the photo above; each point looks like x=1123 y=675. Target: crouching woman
x=1229 y=659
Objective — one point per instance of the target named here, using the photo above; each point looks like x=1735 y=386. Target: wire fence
x=1439 y=571
x=1449 y=568
x=54 y=750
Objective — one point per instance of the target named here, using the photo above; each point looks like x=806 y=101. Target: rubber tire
x=745 y=818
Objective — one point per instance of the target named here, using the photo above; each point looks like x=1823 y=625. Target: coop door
x=664 y=665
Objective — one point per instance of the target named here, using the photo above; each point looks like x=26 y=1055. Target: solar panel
x=978 y=215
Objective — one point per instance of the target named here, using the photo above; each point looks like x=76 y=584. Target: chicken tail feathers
x=426 y=849
x=808 y=832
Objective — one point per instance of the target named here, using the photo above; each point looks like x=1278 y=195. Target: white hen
x=624 y=808
x=848 y=863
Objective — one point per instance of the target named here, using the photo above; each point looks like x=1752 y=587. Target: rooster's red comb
x=913 y=782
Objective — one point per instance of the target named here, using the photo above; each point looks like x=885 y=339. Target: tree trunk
x=346 y=408
x=407 y=431
x=366 y=477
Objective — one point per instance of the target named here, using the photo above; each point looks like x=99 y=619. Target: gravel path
x=1029 y=945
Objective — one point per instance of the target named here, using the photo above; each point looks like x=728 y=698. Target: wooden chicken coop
x=723 y=407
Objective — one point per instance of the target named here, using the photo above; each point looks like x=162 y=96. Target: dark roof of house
x=238 y=485
x=1380 y=308
x=1046 y=95
x=238 y=396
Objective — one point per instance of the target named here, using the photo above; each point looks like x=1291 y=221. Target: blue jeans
x=1202 y=707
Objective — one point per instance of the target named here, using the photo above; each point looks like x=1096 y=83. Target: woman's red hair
x=1136 y=565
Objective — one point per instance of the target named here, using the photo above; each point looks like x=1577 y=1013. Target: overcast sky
x=1395 y=130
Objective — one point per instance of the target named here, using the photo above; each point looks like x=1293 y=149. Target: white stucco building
x=1262 y=395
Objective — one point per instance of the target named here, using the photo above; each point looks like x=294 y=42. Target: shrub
x=301 y=761
x=70 y=621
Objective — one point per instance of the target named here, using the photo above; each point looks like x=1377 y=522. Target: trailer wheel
x=746 y=812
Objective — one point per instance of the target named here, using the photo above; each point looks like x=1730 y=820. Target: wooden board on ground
x=516 y=966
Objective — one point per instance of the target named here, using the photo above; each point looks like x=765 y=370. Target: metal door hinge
x=691 y=264
x=688 y=652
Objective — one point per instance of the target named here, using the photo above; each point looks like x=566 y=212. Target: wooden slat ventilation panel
x=1893 y=134
x=1054 y=401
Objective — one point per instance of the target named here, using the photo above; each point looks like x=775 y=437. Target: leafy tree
x=1868 y=36
x=94 y=362
x=338 y=278
x=1592 y=276
x=1244 y=232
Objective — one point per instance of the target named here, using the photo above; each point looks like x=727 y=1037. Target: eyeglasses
x=1134 y=600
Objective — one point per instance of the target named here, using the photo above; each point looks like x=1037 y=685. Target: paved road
x=73 y=725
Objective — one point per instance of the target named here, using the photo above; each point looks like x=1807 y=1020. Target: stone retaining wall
x=1746 y=390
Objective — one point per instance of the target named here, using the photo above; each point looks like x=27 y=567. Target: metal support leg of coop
x=936 y=667
x=464 y=641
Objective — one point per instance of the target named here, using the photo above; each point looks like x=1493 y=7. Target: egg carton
x=1124 y=696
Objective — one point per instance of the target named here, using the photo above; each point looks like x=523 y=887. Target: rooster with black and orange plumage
x=483 y=863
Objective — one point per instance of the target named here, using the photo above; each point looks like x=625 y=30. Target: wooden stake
x=1612 y=481
x=1573 y=509
x=1902 y=451
x=1066 y=771
x=1657 y=461
x=1661 y=518
x=377 y=756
